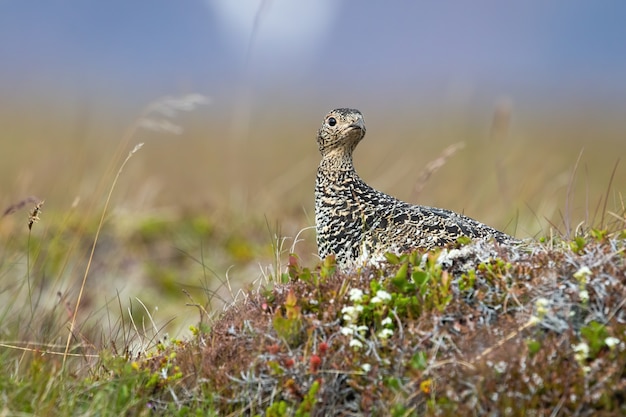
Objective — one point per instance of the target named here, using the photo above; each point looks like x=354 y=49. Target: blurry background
x=527 y=88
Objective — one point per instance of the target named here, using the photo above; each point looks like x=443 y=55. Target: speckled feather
x=358 y=223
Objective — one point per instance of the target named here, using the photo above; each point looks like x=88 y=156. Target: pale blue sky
x=156 y=47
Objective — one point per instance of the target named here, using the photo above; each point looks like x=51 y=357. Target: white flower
x=500 y=367
x=347 y=331
x=347 y=309
x=611 y=342
x=350 y=313
x=581 y=351
x=386 y=321
x=354 y=343
x=355 y=295
x=362 y=329
x=584 y=296
x=385 y=333
x=582 y=273
x=366 y=367
x=383 y=295
x=541 y=305
x=380 y=297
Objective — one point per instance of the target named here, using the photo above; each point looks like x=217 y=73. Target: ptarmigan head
x=341 y=131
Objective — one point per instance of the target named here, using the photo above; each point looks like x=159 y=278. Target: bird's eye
x=332 y=121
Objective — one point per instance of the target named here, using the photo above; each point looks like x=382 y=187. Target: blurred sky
x=148 y=48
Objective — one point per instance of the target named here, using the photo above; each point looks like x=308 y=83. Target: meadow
x=112 y=255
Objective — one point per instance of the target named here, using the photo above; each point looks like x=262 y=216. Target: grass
x=92 y=291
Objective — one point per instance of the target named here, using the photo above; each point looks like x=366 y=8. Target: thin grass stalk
x=93 y=249
x=608 y=190
x=567 y=217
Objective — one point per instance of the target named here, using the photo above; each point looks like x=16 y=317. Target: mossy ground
x=477 y=330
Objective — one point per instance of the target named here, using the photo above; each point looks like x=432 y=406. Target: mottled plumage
x=358 y=223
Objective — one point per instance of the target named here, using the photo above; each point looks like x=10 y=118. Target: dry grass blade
x=46 y=351
x=606 y=196
x=93 y=249
x=144 y=344
x=434 y=165
x=567 y=217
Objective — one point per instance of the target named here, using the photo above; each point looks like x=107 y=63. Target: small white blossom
x=582 y=273
x=611 y=342
x=383 y=295
x=354 y=343
x=581 y=351
x=380 y=297
x=362 y=329
x=355 y=295
x=347 y=331
x=350 y=313
x=366 y=367
x=584 y=296
x=385 y=333
x=386 y=321
x=541 y=304
x=500 y=367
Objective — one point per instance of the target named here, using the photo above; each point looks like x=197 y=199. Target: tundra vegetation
x=138 y=284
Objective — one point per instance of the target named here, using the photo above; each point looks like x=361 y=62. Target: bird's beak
x=359 y=124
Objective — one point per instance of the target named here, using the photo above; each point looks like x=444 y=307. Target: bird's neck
x=336 y=161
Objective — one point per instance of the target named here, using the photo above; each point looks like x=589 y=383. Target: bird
x=359 y=224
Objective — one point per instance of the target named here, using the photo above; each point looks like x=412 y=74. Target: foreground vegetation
x=473 y=329
x=90 y=295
